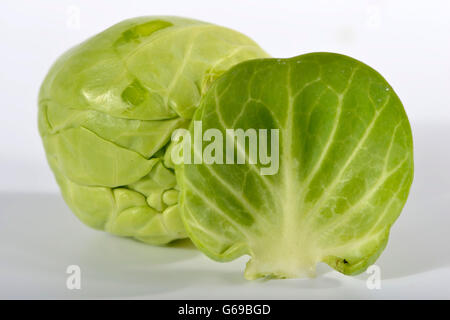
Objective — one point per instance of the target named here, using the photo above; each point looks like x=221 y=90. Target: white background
x=408 y=42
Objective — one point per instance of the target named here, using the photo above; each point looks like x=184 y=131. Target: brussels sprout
x=107 y=109
x=345 y=168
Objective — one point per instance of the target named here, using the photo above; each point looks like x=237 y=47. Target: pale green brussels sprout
x=107 y=110
x=345 y=167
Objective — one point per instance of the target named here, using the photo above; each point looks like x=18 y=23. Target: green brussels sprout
x=108 y=107
x=345 y=167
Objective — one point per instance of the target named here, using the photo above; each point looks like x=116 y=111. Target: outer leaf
x=346 y=166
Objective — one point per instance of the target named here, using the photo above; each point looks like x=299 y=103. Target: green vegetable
x=346 y=166
x=107 y=110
